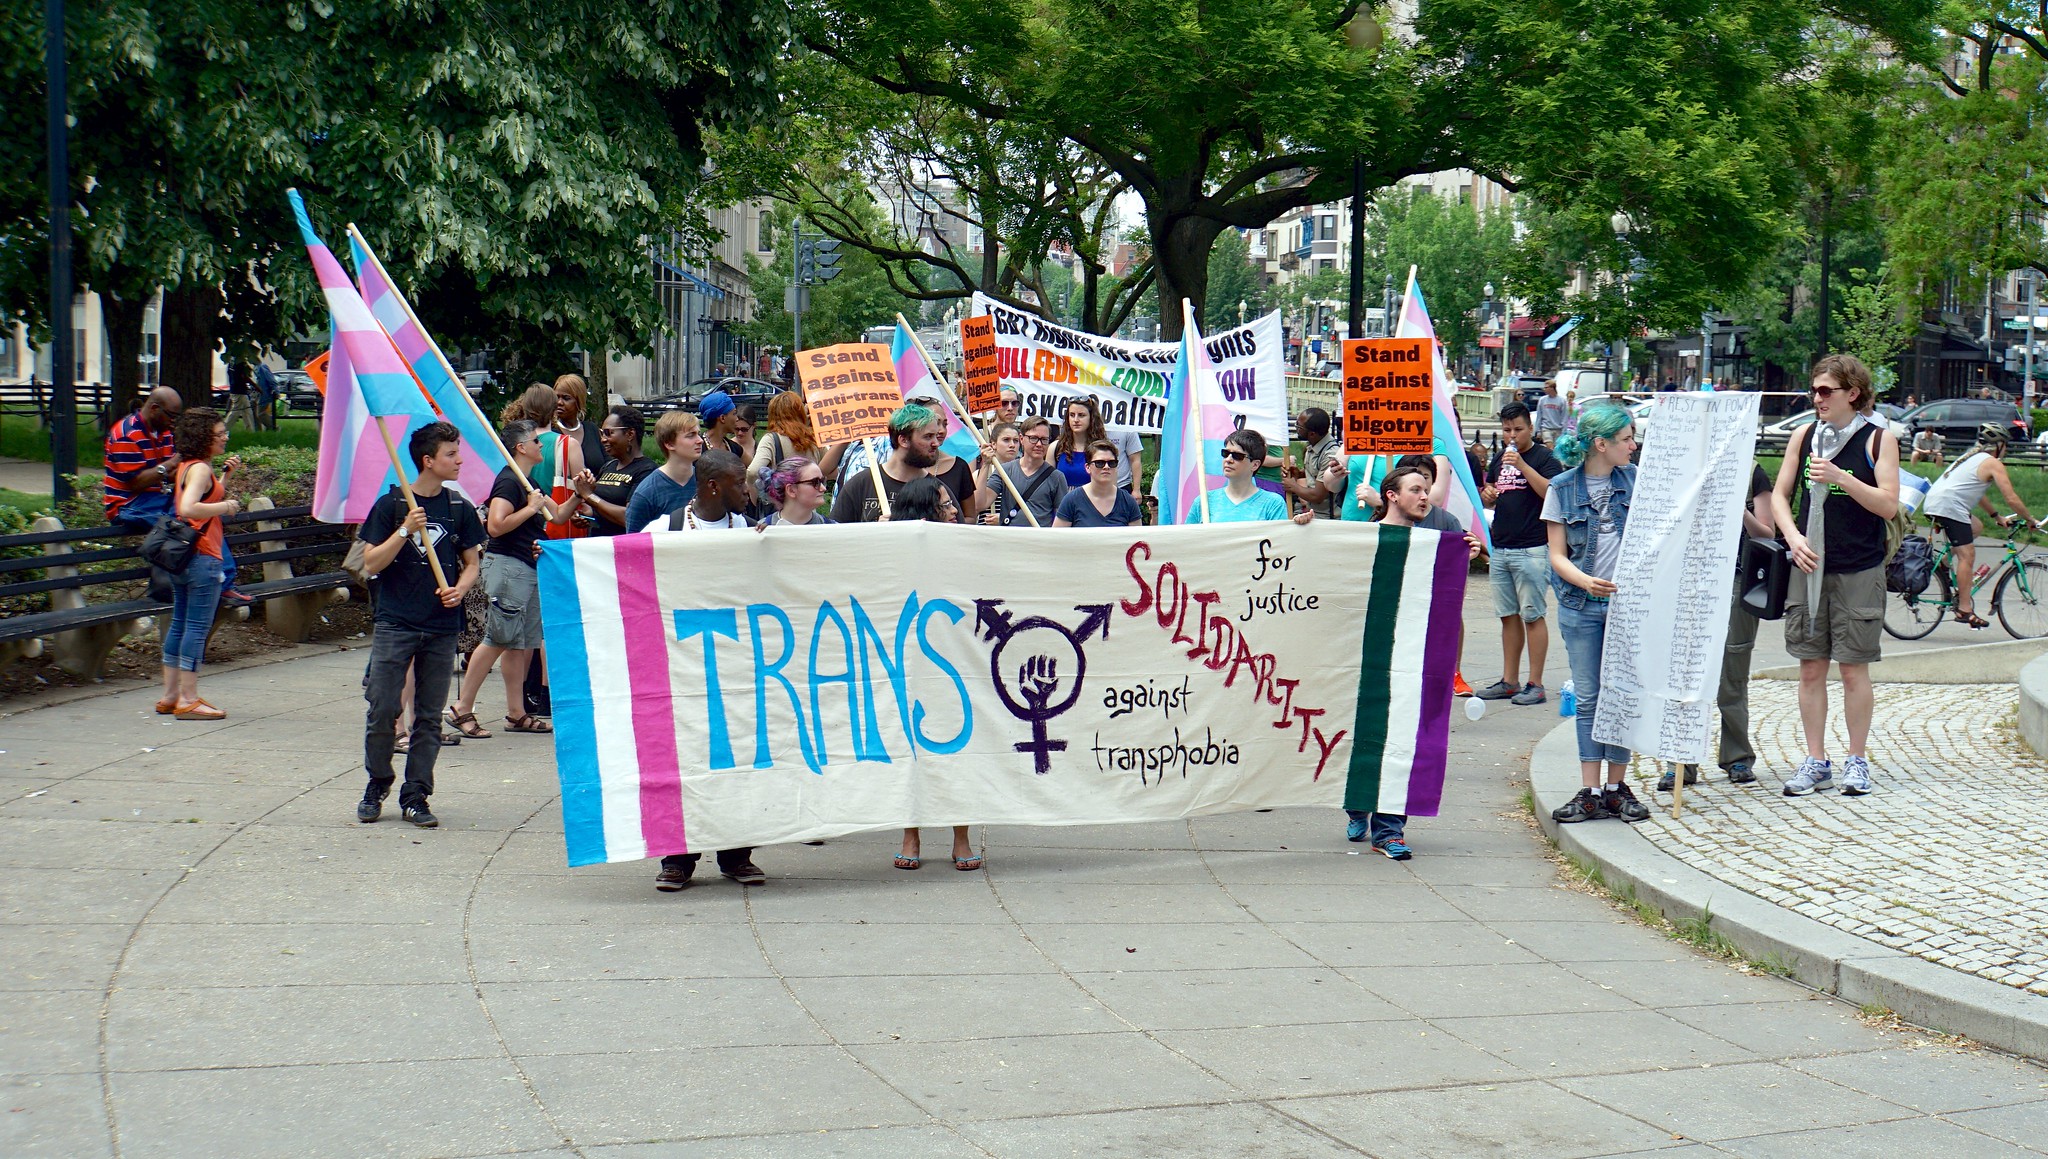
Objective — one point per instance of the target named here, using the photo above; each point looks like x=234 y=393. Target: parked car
x=478 y=381
x=1783 y=428
x=752 y=393
x=297 y=390
x=1956 y=420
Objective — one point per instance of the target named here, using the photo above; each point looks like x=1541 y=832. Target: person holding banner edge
x=1585 y=509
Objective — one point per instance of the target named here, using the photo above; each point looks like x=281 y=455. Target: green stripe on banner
x=1375 y=669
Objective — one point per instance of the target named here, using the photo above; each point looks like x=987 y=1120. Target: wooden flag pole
x=980 y=438
x=438 y=356
x=1194 y=401
x=875 y=472
x=411 y=504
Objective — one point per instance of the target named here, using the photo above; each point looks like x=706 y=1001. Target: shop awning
x=1550 y=343
x=695 y=282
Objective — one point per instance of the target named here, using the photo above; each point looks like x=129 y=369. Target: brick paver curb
x=1827 y=959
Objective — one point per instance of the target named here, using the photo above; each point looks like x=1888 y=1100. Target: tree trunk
x=1180 y=256
x=191 y=328
x=123 y=317
x=599 y=386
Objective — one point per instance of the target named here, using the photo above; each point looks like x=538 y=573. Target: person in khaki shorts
x=1845 y=474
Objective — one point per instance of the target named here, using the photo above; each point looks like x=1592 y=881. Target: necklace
x=692 y=523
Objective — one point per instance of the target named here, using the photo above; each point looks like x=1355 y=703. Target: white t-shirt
x=1606 y=536
x=733 y=520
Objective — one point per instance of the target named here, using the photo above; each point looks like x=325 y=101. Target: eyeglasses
x=1041 y=440
x=1105 y=464
x=614 y=432
x=1230 y=455
x=819 y=483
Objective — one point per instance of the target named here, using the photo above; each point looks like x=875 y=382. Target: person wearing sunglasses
x=1099 y=503
x=796 y=486
x=1241 y=499
x=609 y=491
x=1845 y=472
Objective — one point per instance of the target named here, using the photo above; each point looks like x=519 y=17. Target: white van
x=1582 y=384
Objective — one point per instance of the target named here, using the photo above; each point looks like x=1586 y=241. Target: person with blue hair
x=1586 y=510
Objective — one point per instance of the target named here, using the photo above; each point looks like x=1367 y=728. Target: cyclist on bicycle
x=1956 y=493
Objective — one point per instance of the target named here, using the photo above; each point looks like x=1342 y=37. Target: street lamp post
x=1242 y=306
x=63 y=399
x=1387 y=307
x=2027 y=384
x=1364 y=34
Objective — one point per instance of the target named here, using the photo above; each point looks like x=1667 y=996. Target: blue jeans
x=1385 y=826
x=132 y=521
x=1584 y=630
x=194 y=597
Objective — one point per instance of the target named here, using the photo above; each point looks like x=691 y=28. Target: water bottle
x=1568 y=702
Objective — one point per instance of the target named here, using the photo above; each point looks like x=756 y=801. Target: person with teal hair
x=915 y=434
x=1586 y=511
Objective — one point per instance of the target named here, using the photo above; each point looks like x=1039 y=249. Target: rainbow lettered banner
x=715 y=689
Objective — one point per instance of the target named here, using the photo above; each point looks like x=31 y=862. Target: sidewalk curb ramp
x=1817 y=955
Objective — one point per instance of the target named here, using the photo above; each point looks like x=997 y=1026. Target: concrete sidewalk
x=29 y=476
x=209 y=955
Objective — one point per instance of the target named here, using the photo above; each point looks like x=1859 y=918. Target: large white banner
x=1047 y=364
x=1661 y=670
x=716 y=689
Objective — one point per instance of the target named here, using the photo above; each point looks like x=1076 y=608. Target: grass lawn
x=22 y=437
x=25 y=501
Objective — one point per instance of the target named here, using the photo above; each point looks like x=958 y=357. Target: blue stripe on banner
x=561 y=615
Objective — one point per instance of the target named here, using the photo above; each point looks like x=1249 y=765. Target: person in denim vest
x=1586 y=511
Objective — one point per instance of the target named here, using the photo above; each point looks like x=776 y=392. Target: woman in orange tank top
x=201 y=497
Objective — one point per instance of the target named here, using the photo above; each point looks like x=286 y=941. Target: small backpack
x=1911 y=566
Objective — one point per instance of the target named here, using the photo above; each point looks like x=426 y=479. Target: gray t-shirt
x=1127 y=444
x=1606 y=536
x=1042 y=493
x=1550 y=413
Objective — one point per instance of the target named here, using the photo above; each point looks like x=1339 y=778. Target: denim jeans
x=195 y=596
x=728 y=859
x=1385 y=826
x=133 y=522
x=431 y=656
x=1585 y=635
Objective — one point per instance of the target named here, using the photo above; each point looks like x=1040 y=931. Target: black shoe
x=1740 y=773
x=1692 y=777
x=748 y=874
x=1621 y=802
x=1584 y=807
x=418 y=815
x=369 y=809
x=674 y=877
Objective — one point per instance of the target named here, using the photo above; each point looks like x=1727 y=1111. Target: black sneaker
x=673 y=878
x=1740 y=773
x=1692 y=777
x=369 y=809
x=1584 y=807
x=748 y=874
x=1621 y=802
x=418 y=815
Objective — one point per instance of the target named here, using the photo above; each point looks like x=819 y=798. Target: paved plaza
x=1944 y=860
x=208 y=955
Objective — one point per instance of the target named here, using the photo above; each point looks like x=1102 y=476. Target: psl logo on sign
x=714 y=691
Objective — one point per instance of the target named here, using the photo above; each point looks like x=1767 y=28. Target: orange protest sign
x=851 y=390
x=1387 y=403
x=981 y=364
x=317 y=371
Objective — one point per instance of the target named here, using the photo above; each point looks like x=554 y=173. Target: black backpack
x=1911 y=567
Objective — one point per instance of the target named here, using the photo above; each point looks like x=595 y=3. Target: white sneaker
x=1855 y=777
x=1812 y=776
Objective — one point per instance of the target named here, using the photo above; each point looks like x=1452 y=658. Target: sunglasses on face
x=818 y=482
x=1828 y=391
x=1231 y=455
x=1105 y=464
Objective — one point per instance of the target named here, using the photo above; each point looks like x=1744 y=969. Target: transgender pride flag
x=481 y=458
x=1463 y=501
x=367 y=384
x=915 y=380
x=1191 y=436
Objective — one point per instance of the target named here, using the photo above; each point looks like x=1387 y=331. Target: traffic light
x=824 y=259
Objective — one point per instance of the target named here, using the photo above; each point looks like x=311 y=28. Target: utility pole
x=798 y=296
x=63 y=396
x=1355 y=317
x=2027 y=383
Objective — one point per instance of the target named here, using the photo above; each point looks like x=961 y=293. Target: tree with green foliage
x=1233 y=280
x=1231 y=112
x=509 y=160
x=1455 y=249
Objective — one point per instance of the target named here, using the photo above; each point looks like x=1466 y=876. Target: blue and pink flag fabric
x=1192 y=433
x=481 y=458
x=1464 y=501
x=914 y=379
x=367 y=384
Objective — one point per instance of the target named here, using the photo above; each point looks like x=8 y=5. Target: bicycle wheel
x=1916 y=617
x=2020 y=601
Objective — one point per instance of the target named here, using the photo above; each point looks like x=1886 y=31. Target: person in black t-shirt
x=514 y=519
x=611 y=488
x=915 y=432
x=1519 y=564
x=417 y=620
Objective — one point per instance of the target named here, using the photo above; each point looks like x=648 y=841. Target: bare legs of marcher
x=964 y=856
x=1859 y=701
x=513 y=661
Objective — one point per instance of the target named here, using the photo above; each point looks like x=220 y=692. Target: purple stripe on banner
x=1439 y=663
x=654 y=726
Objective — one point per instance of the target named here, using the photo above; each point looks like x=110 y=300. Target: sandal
x=1973 y=621
x=167 y=706
x=906 y=862
x=403 y=744
x=967 y=864
x=527 y=723
x=466 y=725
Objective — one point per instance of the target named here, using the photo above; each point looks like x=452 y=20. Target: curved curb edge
x=1827 y=959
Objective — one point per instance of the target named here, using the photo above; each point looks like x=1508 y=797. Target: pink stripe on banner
x=654 y=726
x=1439 y=662
x=371 y=472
